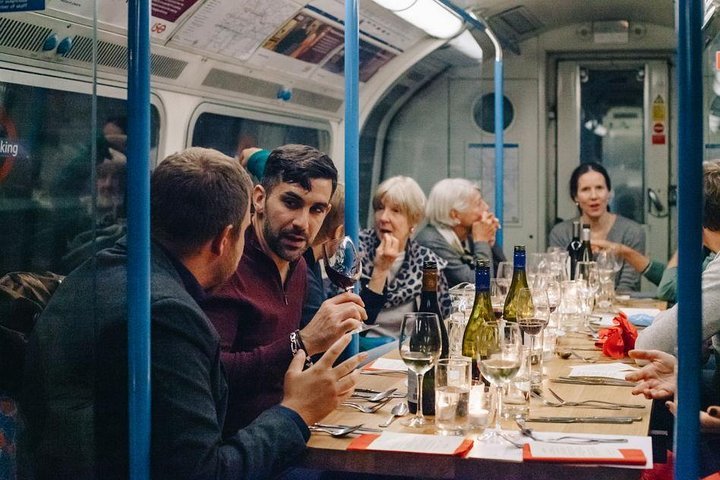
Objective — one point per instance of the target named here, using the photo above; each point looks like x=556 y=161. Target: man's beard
x=274 y=242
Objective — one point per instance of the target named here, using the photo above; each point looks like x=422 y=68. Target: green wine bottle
x=479 y=331
x=519 y=281
x=428 y=303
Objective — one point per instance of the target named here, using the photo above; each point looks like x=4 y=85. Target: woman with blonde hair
x=392 y=262
x=461 y=229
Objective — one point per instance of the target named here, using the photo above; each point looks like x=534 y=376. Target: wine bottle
x=587 y=255
x=575 y=249
x=428 y=303
x=519 y=281
x=479 y=331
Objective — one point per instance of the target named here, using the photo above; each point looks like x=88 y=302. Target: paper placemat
x=615 y=370
x=412 y=442
x=387 y=364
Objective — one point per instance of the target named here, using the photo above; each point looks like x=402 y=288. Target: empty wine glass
x=586 y=274
x=503 y=275
x=499 y=358
x=420 y=345
x=497 y=298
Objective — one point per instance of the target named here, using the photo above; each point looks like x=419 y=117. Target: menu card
x=616 y=370
x=387 y=364
x=555 y=452
x=412 y=442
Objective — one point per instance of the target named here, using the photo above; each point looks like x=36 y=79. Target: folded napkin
x=641 y=319
x=619 y=339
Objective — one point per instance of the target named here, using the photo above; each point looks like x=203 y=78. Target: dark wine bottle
x=479 y=331
x=575 y=249
x=519 y=281
x=428 y=303
x=587 y=255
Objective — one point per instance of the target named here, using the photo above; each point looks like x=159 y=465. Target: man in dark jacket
x=76 y=376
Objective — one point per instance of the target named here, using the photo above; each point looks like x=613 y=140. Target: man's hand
x=338 y=315
x=709 y=421
x=484 y=229
x=317 y=391
x=657 y=378
x=246 y=153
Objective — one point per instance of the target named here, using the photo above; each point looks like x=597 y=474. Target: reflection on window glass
x=46 y=161
x=231 y=135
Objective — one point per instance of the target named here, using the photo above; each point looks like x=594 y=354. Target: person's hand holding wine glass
x=420 y=346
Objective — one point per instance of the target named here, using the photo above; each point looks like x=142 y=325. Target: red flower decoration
x=616 y=341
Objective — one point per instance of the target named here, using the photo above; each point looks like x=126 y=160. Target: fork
x=591 y=402
x=569 y=439
x=550 y=403
x=336 y=432
x=365 y=408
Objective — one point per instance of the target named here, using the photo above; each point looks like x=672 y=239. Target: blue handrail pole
x=499 y=149
x=138 y=267
x=690 y=203
x=352 y=131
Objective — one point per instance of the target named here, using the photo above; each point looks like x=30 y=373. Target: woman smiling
x=590 y=189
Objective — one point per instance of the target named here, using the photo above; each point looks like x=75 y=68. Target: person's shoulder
x=628 y=225
x=425 y=254
x=428 y=235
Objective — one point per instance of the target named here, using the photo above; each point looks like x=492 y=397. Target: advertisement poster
x=306 y=38
x=370 y=61
x=7 y=6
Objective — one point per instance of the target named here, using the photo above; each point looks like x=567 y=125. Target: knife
x=594 y=381
x=584 y=419
x=361 y=429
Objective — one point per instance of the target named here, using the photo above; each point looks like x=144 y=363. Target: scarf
x=407 y=284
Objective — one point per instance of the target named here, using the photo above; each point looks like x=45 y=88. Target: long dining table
x=328 y=453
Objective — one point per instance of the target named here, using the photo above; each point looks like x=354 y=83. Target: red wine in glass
x=340 y=280
x=342 y=263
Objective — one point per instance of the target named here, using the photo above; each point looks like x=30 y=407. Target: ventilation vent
x=114 y=55
x=260 y=88
x=21 y=35
x=519 y=20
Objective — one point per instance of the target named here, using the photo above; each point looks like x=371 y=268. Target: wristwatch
x=296 y=344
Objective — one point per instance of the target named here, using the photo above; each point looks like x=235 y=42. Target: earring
x=577 y=204
x=412 y=229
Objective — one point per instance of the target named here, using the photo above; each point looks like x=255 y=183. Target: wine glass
x=420 y=346
x=533 y=313
x=497 y=298
x=499 y=358
x=342 y=263
x=586 y=273
x=504 y=275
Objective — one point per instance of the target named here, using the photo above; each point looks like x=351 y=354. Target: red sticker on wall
x=658 y=139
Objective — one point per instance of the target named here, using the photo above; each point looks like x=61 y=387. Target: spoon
x=572 y=353
x=397 y=411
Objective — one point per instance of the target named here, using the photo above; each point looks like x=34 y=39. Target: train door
x=617 y=113
x=472 y=153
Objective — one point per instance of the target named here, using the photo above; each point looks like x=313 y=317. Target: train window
x=48 y=218
x=484 y=112
x=231 y=132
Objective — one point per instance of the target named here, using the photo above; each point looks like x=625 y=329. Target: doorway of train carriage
x=618 y=113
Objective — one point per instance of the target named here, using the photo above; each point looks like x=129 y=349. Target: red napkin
x=619 y=339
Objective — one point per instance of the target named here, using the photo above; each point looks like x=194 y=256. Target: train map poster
x=234 y=28
x=7 y=6
x=480 y=165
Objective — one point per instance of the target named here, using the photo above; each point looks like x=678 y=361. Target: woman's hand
x=657 y=378
x=484 y=229
x=385 y=256
x=709 y=421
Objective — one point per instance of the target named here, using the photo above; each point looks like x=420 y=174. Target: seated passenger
x=75 y=397
x=664 y=276
x=392 y=263
x=590 y=189
x=662 y=333
x=461 y=229
x=257 y=310
x=332 y=229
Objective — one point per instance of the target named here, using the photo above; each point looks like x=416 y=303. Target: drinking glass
x=420 y=346
x=554 y=296
x=497 y=298
x=500 y=364
x=586 y=274
x=504 y=275
x=532 y=316
x=342 y=263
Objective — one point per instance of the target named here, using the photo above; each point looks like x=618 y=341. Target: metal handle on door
x=655 y=204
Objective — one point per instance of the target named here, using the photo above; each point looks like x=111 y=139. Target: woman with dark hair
x=590 y=189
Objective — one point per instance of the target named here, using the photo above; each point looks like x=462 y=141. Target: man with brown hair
x=75 y=395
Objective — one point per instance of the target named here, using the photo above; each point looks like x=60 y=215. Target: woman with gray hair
x=460 y=229
x=392 y=263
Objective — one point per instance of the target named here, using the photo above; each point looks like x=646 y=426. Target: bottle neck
x=519 y=261
x=482 y=280
x=429 y=281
